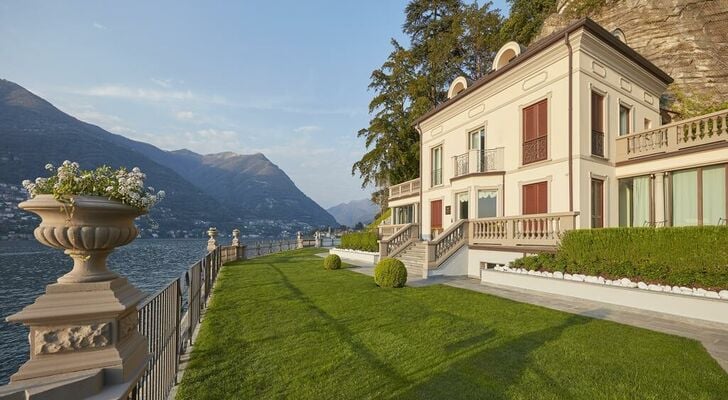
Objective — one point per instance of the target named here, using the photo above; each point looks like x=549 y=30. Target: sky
x=286 y=78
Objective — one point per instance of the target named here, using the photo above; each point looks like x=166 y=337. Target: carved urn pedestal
x=87 y=321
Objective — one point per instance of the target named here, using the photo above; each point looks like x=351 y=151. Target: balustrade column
x=212 y=242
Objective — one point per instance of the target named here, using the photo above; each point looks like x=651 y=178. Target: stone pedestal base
x=77 y=327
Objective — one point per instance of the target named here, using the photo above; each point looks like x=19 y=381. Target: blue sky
x=286 y=78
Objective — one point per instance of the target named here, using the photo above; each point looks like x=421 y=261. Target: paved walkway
x=713 y=336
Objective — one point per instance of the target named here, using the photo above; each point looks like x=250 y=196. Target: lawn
x=283 y=327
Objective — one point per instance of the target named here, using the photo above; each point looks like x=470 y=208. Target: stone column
x=317 y=239
x=212 y=242
x=83 y=330
x=299 y=240
x=236 y=237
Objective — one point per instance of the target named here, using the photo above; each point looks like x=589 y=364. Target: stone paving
x=713 y=336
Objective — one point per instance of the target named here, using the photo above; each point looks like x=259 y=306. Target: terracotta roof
x=586 y=23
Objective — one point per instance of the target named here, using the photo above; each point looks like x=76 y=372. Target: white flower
x=136 y=169
x=49 y=167
x=26 y=183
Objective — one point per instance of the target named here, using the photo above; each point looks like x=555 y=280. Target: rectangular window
x=634 y=201
x=535 y=132
x=624 y=120
x=597 y=203
x=463 y=204
x=714 y=195
x=487 y=203
x=597 y=124
x=437 y=166
x=404 y=214
x=685 y=198
x=535 y=198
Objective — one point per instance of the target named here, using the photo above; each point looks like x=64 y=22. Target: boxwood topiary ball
x=390 y=272
x=332 y=261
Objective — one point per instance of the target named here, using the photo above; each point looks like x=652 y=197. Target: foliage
x=374 y=226
x=689 y=106
x=447 y=38
x=666 y=255
x=364 y=241
x=121 y=185
x=390 y=273
x=280 y=327
x=526 y=19
x=332 y=261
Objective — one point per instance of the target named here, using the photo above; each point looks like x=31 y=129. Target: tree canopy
x=447 y=39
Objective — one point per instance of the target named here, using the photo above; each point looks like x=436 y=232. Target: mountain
x=227 y=190
x=355 y=211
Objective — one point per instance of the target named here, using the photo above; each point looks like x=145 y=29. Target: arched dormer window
x=457 y=86
x=508 y=52
x=619 y=34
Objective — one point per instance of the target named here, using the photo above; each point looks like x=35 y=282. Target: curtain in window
x=685 y=198
x=463 y=205
x=623 y=120
x=641 y=201
x=713 y=195
x=487 y=203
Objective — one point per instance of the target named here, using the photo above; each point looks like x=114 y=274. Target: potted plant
x=88 y=213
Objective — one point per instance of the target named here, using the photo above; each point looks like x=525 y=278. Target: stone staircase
x=413 y=258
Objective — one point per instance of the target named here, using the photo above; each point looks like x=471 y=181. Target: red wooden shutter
x=542 y=118
x=529 y=123
x=436 y=214
x=597 y=112
x=535 y=198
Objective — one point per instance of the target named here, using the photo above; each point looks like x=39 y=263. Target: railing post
x=212 y=242
x=382 y=248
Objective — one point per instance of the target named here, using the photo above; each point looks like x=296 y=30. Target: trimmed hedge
x=390 y=273
x=365 y=241
x=332 y=261
x=695 y=256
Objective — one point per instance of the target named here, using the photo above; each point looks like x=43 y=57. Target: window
x=404 y=214
x=597 y=124
x=535 y=198
x=597 y=203
x=487 y=203
x=625 y=113
x=634 y=201
x=699 y=196
x=463 y=203
x=437 y=166
x=535 y=131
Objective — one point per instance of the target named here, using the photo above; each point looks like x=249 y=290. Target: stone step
x=411 y=260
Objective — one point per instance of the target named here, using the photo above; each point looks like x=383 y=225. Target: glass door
x=477 y=148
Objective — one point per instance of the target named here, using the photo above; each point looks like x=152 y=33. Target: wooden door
x=436 y=217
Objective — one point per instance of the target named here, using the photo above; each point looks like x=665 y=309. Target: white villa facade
x=563 y=135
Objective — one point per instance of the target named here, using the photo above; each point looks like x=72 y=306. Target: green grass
x=283 y=327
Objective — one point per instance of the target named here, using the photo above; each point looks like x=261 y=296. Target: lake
x=27 y=267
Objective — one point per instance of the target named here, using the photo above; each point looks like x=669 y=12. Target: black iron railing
x=169 y=318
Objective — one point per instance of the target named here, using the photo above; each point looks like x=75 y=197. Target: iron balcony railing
x=476 y=161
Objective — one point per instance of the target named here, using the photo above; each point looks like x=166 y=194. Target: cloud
x=99 y=26
x=165 y=83
x=307 y=129
x=125 y=92
x=185 y=115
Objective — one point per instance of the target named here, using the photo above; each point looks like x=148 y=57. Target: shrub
x=332 y=261
x=365 y=241
x=390 y=272
x=695 y=256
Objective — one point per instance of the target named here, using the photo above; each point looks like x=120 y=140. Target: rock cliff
x=688 y=39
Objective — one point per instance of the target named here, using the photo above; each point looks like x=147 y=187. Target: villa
x=566 y=134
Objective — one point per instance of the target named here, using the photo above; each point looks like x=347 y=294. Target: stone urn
x=87 y=321
x=212 y=241
x=88 y=229
x=236 y=237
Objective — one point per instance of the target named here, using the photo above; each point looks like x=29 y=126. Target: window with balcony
x=597 y=124
x=625 y=116
x=535 y=132
x=436 y=166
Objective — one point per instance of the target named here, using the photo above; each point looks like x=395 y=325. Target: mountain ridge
x=222 y=188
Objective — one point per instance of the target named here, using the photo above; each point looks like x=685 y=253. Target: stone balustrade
x=405 y=189
x=674 y=137
x=524 y=230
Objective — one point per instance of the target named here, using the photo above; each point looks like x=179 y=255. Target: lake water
x=26 y=267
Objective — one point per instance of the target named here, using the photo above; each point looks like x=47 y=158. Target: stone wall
x=688 y=39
